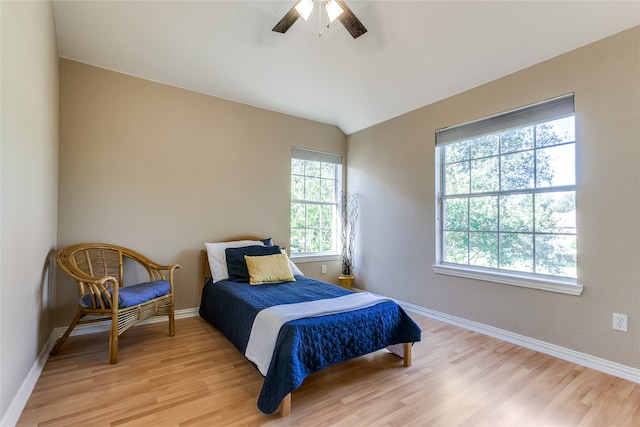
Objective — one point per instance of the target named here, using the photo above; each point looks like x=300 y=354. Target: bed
x=340 y=326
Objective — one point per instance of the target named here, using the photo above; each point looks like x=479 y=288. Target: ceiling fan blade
x=350 y=22
x=287 y=21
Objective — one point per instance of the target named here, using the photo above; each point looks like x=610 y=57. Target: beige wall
x=28 y=199
x=162 y=170
x=392 y=166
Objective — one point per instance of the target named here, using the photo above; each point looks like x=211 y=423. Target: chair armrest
x=148 y=263
x=98 y=288
x=159 y=268
x=163 y=267
x=154 y=269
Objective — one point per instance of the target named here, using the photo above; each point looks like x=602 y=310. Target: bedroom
x=177 y=187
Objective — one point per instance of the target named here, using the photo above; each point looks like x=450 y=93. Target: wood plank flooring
x=197 y=378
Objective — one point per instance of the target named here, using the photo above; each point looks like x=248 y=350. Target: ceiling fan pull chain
x=319 y=22
x=328 y=17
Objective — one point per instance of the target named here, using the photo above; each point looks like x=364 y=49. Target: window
x=316 y=180
x=506 y=191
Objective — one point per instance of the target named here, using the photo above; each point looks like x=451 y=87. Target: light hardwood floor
x=197 y=378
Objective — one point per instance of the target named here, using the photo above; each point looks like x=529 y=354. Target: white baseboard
x=12 y=415
x=589 y=361
x=18 y=403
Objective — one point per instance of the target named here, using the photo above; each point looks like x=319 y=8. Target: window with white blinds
x=315 y=186
x=506 y=197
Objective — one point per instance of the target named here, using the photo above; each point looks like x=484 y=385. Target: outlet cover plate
x=620 y=322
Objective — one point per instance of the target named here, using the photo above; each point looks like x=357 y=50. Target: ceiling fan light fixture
x=304 y=8
x=333 y=9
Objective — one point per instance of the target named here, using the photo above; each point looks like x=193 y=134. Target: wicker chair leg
x=172 y=324
x=113 y=341
x=64 y=336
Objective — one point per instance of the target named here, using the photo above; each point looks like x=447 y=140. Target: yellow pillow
x=268 y=269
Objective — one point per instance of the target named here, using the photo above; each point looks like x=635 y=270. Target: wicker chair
x=98 y=269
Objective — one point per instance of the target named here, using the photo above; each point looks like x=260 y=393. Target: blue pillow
x=237 y=266
x=267 y=242
x=129 y=296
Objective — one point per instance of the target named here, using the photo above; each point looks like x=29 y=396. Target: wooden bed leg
x=285 y=406
x=407 y=354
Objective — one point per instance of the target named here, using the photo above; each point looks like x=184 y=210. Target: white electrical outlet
x=620 y=322
x=323 y=269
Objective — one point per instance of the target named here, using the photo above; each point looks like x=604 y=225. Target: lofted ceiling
x=415 y=52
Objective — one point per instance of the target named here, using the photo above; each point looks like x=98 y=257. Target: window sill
x=563 y=286
x=302 y=258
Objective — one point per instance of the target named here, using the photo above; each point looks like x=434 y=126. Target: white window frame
x=324 y=157
x=545 y=111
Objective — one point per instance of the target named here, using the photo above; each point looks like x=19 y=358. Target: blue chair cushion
x=129 y=296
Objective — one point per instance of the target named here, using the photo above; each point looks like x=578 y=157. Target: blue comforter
x=304 y=346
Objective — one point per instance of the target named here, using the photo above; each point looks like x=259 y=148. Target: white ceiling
x=415 y=52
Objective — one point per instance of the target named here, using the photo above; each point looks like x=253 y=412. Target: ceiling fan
x=336 y=9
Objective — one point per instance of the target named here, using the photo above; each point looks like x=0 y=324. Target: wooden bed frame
x=205 y=275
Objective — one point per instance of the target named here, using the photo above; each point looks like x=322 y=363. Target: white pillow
x=218 y=259
x=294 y=268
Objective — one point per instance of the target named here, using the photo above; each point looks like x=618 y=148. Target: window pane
x=485 y=146
x=312 y=189
x=457 y=178
x=556 y=255
x=328 y=170
x=297 y=166
x=556 y=212
x=516 y=252
x=556 y=132
x=314 y=239
x=517 y=171
x=556 y=166
x=327 y=216
x=455 y=213
x=312 y=168
x=313 y=216
x=484 y=175
x=326 y=243
x=328 y=190
x=297 y=215
x=483 y=249
x=297 y=187
x=516 y=139
x=297 y=240
x=516 y=213
x=456 y=247
x=456 y=152
x=483 y=213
